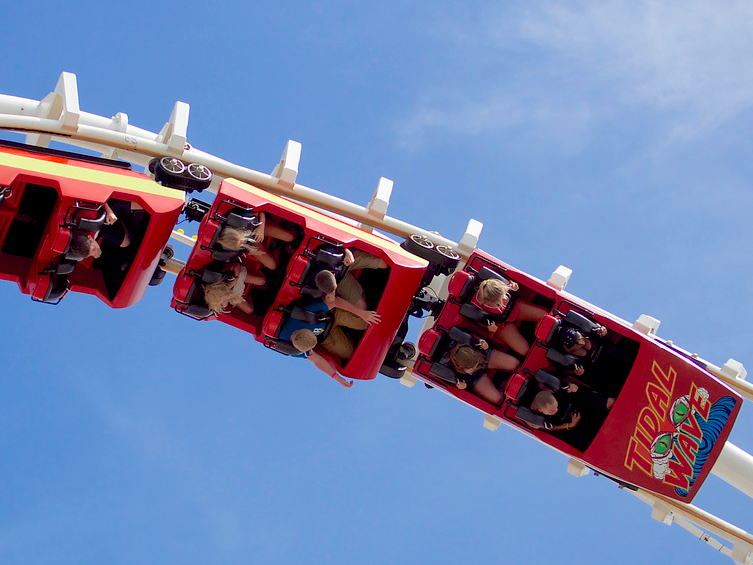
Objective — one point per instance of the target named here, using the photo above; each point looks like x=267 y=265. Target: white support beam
x=734 y=370
x=287 y=169
x=380 y=201
x=692 y=518
x=119 y=123
x=62 y=105
x=67 y=89
x=735 y=467
x=647 y=325
x=174 y=133
x=559 y=277
x=469 y=241
x=491 y=422
x=178 y=235
x=577 y=468
x=408 y=379
x=138 y=146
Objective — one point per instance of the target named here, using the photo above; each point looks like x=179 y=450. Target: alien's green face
x=662 y=446
x=680 y=412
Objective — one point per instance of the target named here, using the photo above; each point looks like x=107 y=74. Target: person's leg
x=363 y=260
x=273 y=229
x=339 y=343
x=502 y=361
x=510 y=334
x=530 y=312
x=352 y=291
x=485 y=389
x=261 y=253
x=245 y=306
x=256 y=279
x=348 y=320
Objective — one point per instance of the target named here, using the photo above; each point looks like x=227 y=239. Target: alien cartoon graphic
x=693 y=436
x=662 y=448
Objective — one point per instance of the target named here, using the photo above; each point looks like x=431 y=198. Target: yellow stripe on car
x=71 y=171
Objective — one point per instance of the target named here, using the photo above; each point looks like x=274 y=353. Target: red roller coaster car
x=318 y=243
x=670 y=418
x=48 y=196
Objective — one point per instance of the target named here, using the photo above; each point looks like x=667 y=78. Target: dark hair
x=569 y=337
x=325 y=281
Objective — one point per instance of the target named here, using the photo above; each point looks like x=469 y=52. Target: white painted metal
x=577 y=468
x=140 y=146
x=735 y=467
x=287 y=169
x=647 y=325
x=492 y=422
x=560 y=277
x=380 y=201
x=692 y=518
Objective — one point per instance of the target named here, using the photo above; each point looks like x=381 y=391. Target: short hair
x=326 y=281
x=464 y=357
x=542 y=399
x=491 y=290
x=303 y=340
x=81 y=245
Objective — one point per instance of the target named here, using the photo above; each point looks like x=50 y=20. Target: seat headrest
x=285 y=348
x=516 y=387
x=88 y=219
x=461 y=285
x=474 y=313
x=548 y=380
x=529 y=416
x=485 y=273
x=460 y=336
x=427 y=340
x=241 y=219
x=547 y=328
x=443 y=372
x=329 y=256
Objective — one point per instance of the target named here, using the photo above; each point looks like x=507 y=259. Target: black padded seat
x=530 y=417
x=238 y=218
x=327 y=257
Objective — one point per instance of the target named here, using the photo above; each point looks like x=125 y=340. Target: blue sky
x=611 y=137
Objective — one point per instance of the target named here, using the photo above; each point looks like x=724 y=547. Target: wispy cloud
x=557 y=68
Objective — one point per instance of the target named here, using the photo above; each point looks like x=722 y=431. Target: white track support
x=119 y=123
x=577 y=468
x=693 y=518
x=560 y=277
x=733 y=374
x=408 y=379
x=174 y=133
x=647 y=325
x=380 y=201
x=140 y=146
x=735 y=466
x=469 y=241
x=60 y=104
x=287 y=169
x=178 y=235
x=491 y=422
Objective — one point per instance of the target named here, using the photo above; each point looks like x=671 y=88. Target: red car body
x=664 y=432
x=391 y=298
x=44 y=190
x=670 y=419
